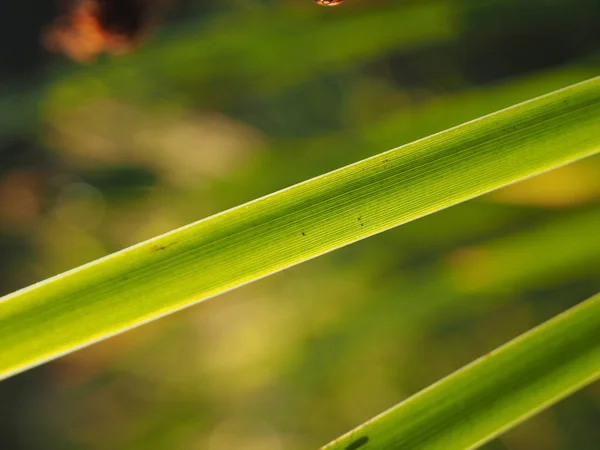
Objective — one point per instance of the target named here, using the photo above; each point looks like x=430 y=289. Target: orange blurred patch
x=329 y=2
x=20 y=196
x=81 y=36
x=89 y=28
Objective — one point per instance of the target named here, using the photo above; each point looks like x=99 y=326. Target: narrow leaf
x=254 y=240
x=496 y=392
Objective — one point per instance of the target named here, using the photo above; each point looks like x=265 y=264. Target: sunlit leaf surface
x=499 y=390
x=275 y=232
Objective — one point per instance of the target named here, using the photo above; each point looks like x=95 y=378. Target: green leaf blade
x=254 y=240
x=496 y=392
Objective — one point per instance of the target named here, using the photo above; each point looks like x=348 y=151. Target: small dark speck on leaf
x=158 y=248
x=303 y=233
x=359 y=218
x=358 y=443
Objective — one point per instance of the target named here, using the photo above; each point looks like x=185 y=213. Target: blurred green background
x=232 y=100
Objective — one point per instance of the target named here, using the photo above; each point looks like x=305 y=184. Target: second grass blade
x=262 y=237
x=494 y=393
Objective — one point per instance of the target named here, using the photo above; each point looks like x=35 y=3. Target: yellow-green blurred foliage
x=236 y=99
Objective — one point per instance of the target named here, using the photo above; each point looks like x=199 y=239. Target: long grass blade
x=496 y=392
x=254 y=240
